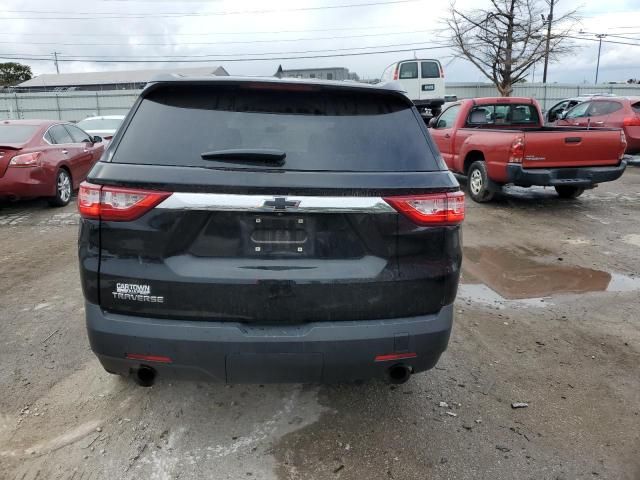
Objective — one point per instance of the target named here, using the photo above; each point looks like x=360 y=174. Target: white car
x=423 y=80
x=104 y=126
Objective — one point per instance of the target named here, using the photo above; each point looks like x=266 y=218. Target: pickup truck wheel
x=478 y=183
x=569 y=192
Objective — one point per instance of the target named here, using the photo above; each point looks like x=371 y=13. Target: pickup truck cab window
x=448 y=117
x=503 y=115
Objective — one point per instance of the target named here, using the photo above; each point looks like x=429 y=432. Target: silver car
x=104 y=126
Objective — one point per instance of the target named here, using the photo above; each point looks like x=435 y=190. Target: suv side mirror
x=433 y=123
x=562 y=115
x=96 y=139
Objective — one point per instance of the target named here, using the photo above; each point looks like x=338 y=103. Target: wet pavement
x=547 y=314
x=528 y=274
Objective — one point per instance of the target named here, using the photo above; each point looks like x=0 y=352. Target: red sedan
x=616 y=112
x=44 y=158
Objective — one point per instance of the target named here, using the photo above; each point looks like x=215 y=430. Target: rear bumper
x=24 y=183
x=240 y=353
x=579 y=177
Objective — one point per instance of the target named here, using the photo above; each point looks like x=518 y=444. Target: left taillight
x=432 y=209
x=26 y=160
x=517 y=150
x=116 y=204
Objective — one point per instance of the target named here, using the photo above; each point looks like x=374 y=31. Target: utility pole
x=600 y=36
x=549 y=22
x=55 y=60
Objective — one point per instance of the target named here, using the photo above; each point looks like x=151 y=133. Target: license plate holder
x=428 y=87
x=280 y=234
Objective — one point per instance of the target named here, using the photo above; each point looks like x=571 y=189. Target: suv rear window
x=318 y=130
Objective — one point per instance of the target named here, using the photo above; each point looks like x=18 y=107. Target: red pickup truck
x=498 y=141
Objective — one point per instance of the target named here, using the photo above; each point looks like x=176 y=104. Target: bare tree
x=505 y=40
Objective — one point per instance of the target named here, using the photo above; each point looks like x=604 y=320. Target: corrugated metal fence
x=74 y=106
x=548 y=95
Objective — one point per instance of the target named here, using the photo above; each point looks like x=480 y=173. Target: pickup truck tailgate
x=567 y=147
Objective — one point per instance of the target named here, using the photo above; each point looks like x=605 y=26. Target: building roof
x=312 y=69
x=114 y=77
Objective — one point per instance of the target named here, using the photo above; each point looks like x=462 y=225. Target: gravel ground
x=547 y=314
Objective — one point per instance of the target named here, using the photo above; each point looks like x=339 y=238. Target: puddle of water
x=516 y=274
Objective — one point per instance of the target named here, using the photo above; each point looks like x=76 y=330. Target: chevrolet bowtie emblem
x=281 y=203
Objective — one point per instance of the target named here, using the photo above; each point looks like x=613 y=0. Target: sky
x=221 y=30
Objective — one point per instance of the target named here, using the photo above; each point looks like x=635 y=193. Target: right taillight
x=395 y=72
x=431 y=209
x=516 y=154
x=116 y=204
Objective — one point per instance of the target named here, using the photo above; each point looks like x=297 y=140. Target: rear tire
x=569 y=192
x=478 y=183
x=64 y=189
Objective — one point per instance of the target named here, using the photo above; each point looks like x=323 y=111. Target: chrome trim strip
x=256 y=203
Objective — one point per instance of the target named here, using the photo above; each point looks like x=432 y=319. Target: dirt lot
x=548 y=314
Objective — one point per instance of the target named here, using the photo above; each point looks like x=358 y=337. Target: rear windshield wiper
x=247 y=155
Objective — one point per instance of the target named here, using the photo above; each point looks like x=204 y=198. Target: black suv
x=268 y=230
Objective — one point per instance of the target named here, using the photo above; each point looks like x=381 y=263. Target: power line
x=220 y=55
x=216 y=43
x=604 y=41
x=136 y=35
x=207 y=14
x=336 y=55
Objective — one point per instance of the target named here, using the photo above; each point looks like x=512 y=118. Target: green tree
x=12 y=73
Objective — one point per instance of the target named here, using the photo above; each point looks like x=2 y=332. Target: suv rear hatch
x=245 y=235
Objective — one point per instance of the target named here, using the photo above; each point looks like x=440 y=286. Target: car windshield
x=100 y=123
x=16 y=133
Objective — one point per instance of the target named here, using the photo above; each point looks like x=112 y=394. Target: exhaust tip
x=399 y=373
x=145 y=376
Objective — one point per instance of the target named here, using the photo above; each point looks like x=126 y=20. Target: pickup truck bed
x=505 y=143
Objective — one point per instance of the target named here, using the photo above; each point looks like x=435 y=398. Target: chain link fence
x=70 y=106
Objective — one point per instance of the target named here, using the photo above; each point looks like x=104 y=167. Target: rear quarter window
x=318 y=130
